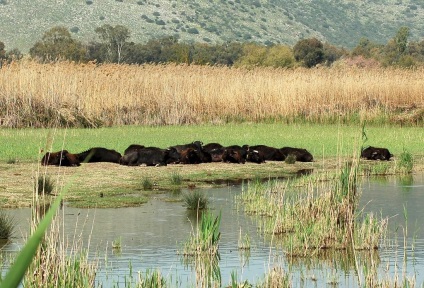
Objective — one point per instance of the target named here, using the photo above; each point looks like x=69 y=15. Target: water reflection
x=152 y=235
x=406 y=182
x=207 y=270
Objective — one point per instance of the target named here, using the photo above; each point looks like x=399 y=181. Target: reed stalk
x=206 y=237
x=323 y=217
x=47 y=260
x=88 y=95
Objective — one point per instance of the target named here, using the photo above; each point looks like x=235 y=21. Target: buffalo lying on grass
x=302 y=155
x=99 y=154
x=196 y=145
x=217 y=154
x=150 y=156
x=376 y=153
x=255 y=156
x=133 y=147
x=191 y=156
x=269 y=153
x=192 y=153
x=235 y=154
x=211 y=146
x=60 y=158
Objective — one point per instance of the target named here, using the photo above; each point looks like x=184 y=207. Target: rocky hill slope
x=339 y=22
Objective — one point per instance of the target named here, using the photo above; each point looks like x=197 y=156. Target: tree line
x=113 y=46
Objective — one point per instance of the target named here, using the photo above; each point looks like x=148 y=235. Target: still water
x=152 y=235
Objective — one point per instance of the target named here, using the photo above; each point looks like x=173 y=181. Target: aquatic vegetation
x=117 y=244
x=151 y=279
x=195 y=200
x=381 y=168
x=206 y=237
x=176 y=178
x=244 y=242
x=7 y=224
x=405 y=162
x=276 y=277
x=323 y=217
x=45 y=260
x=44 y=185
x=147 y=184
x=235 y=283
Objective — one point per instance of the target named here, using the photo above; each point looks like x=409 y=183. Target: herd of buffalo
x=193 y=153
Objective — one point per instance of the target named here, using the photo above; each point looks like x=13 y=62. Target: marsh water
x=152 y=235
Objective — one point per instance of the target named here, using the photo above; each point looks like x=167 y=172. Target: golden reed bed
x=68 y=94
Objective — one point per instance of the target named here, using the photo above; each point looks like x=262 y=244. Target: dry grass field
x=89 y=95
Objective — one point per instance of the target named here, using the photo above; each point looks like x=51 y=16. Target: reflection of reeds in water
x=151 y=279
x=244 y=242
x=276 y=277
x=206 y=268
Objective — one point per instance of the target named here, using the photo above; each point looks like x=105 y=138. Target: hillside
x=340 y=22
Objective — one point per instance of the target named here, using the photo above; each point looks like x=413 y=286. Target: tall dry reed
x=69 y=94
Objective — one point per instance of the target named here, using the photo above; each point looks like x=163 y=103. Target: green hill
x=339 y=22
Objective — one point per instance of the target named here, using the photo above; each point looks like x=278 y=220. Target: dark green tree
x=363 y=48
x=397 y=48
x=114 y=39
x=58 y=44
x=309 y=52
x=332 y=53
x=13 y=55
x=2 y=51
x=416 y=50
x=228 y=53
x=253 y=55
x=401 y=39
x=203 y=54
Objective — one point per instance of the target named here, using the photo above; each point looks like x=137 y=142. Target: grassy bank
x=90 y=95
x=24 y=145
x=112 y=185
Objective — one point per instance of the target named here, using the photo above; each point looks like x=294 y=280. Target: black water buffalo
x=133 y=147
x=190 y=156
x=211 y=146
x=235 y=154
x=376 y=153
x=255 y=156
x=217 y=154
x=197 y=145
x=150 y=156
x=187 y=149
x=301 y=155
x=60 y=158
x=99 y=154
x=269 y=153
